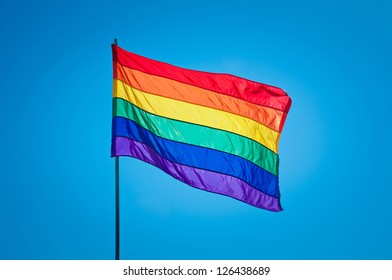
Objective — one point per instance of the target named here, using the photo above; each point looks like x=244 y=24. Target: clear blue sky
x=57 y=177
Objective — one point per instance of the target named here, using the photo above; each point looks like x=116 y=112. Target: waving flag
x=215 y=132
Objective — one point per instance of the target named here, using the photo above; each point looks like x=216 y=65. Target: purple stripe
x=195 y=177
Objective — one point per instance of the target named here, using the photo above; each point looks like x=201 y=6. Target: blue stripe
x=200 y=157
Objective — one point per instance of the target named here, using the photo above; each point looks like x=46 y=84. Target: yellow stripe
x=197 y=114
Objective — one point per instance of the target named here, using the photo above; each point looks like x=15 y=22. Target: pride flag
x=215 y=132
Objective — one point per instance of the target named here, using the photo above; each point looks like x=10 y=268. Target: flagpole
x=117 y=178
x=117 y=209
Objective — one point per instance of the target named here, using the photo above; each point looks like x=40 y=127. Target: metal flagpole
x=117 y=201
x=117 y=209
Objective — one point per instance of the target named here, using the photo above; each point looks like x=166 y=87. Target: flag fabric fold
x=215 y=132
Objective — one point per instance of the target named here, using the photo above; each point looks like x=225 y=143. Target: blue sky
x=57 y=177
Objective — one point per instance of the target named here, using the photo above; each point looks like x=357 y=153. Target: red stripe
x=257 y=93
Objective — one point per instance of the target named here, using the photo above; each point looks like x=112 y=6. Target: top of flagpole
x=115 y=41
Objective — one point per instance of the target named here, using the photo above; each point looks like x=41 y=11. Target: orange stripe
x=272 y=118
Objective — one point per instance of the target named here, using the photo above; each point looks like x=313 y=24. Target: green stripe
x=199 y=135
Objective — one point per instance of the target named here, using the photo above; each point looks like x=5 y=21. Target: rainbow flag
x=215 y=132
